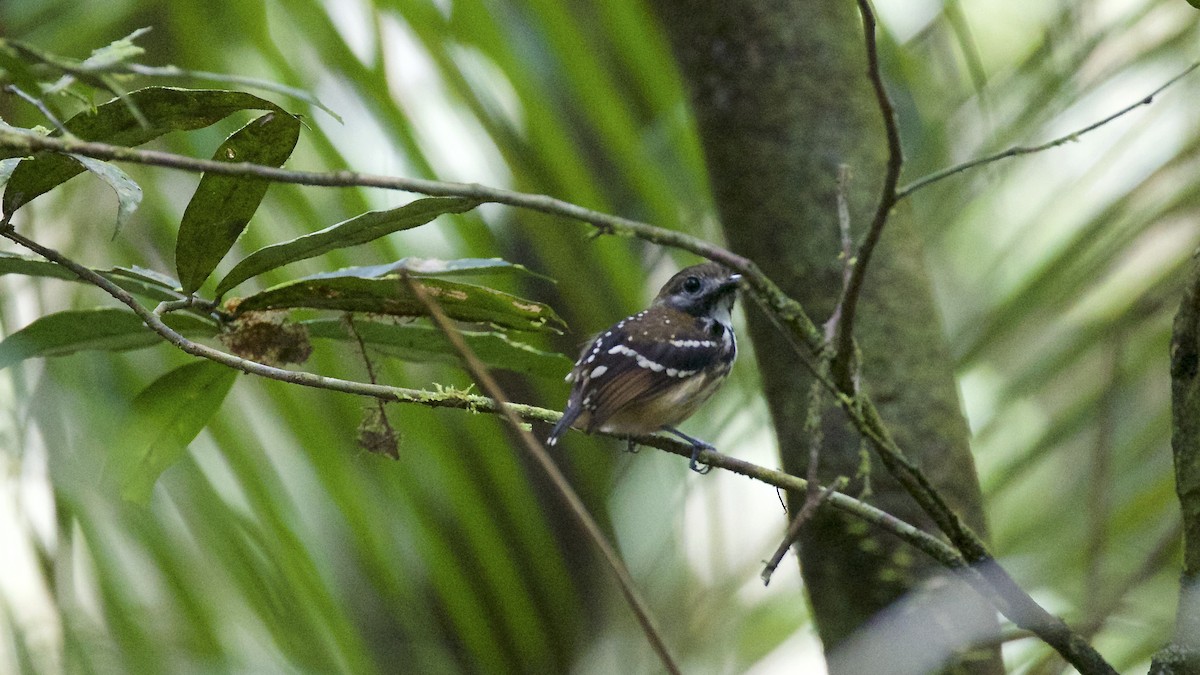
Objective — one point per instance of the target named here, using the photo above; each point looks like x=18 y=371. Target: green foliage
x=162 y=110
x=163 y=419
x=223 y=205
x=277 y=544
x=101 y=329
x=129 y=193
x=357 y=230
x=426 y=344
x=391 y=295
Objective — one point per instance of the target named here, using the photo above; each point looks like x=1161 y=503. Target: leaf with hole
x=392 y=296
x=223 y=205
x=358 y=230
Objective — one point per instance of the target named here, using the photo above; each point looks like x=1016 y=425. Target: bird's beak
x=732 y=283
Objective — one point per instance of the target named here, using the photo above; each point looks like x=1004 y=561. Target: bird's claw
x=696 y=450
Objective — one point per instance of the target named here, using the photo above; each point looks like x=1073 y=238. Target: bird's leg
x=697 y=446
x=631 y=446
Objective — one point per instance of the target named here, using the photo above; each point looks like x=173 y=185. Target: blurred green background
x=279 y=545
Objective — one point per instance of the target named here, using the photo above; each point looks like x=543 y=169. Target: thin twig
x=392 y=451
x=1016 y=151
x=481 y=376
x=806 y=512
x=190 y=302
x=844 y=354
x=40 y=105
x=814 y=495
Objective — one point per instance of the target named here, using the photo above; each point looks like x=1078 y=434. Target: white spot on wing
x=693 y=343
x=644 y=362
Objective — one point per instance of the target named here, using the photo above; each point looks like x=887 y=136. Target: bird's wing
x=633 y=363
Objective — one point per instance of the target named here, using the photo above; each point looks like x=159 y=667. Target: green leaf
x=358 y=230
x=93 y=70
x=139 y=284
x=103 y=329
x=392 y=296
x=427 y=344
x=236 y=80
x=7 y=166
x=164 y=419
x=12 y=263
x=223 y=205
x=431 y=267
x=166 y=109
x=116 y=51
x=146 y=283
x=18 y=72
x=129 y=193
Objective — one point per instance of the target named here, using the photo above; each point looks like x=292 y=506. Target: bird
x=652 y=370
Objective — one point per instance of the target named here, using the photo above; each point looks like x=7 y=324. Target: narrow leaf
x=147 y=276
x=139 y=285
x=103 y=329
x=427 y=344
x=165 y=417
x=223 y=205
x=166 y=109
x=236 y=80
x=358 y=230
x=12 y=263
x=129 y=193
x=138 y=281
x=392 y=296
x=431 y=267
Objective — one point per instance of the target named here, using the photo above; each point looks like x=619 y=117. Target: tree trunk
x=781 y=98
x=1182 y=656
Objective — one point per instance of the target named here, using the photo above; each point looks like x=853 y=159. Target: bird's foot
x=696 y=450
x=698 y=446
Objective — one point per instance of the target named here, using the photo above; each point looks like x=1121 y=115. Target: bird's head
x=707 y=290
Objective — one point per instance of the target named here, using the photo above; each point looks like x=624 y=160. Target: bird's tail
x=569 y=416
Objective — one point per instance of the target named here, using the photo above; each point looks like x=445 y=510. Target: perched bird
x=652 y=370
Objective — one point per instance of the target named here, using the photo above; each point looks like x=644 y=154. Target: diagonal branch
x=537 y=452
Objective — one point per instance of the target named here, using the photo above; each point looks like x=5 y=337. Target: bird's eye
x=692 y=284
